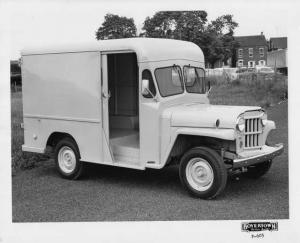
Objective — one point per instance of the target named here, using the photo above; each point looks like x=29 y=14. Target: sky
x=44 y=23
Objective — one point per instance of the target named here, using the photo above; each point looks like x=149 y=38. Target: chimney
x=261 y=33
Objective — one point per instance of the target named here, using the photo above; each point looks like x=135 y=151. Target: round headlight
x=240 y=124
x=264 y=120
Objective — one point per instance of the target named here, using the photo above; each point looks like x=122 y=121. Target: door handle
x=106 y=96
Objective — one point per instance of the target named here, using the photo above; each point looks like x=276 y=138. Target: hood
x=206 y=115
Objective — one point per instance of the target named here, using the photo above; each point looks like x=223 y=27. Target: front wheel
x=203 y=173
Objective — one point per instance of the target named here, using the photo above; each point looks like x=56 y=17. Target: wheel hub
x=199 y=174
x=66 y=159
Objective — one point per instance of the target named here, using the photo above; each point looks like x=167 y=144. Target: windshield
x=169 y=81
x=194 y=79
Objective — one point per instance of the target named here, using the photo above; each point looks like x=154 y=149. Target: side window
x=146 y=74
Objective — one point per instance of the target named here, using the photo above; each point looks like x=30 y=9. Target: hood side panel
x=206 y=115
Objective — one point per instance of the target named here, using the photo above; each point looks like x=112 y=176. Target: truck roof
x=147 y=49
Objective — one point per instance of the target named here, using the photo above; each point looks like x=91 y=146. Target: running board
x=125 y=165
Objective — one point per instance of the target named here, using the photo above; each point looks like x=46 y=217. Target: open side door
x=120 y=109
x=105 y=95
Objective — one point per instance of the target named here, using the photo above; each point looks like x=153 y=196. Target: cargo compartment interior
x=123 y=106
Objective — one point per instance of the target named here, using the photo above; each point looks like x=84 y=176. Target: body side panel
x=61 y=93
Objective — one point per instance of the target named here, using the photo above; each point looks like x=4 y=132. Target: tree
x=174 y=24
x=222 y=28
x=215 y=38
x=223 y=25
x=116 y=27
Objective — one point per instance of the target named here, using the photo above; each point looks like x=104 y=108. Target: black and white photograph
x=139 y=121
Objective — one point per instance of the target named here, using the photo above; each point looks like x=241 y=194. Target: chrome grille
x=253 y=131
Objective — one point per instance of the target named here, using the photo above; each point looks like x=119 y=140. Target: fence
x=229 y=75
x=221 y=75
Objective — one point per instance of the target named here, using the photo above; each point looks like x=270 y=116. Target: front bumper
x=266 y=154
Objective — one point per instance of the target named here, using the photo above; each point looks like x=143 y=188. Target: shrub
x=20 y=159
x=236 y=82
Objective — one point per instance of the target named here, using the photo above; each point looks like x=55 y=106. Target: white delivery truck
x=139 y=103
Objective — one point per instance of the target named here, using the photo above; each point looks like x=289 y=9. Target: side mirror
x=146 y=92
x=145 y=87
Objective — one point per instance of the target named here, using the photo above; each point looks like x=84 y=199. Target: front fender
x=267 y=129
x=225 y=134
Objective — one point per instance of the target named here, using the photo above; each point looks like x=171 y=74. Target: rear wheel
x=257 y=171
x=67 y=159
x=203 y=173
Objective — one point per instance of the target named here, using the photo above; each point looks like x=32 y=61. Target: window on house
x=261 y=52
x=251 y=64
x=240 y=53
x=250 y=52
x=262 y=62
x=240 y=63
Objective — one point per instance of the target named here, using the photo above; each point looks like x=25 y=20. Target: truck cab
x=139 y=103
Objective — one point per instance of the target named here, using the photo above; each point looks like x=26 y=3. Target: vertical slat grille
x=253 y=130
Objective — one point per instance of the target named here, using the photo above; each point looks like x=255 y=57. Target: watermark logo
x=259 y=226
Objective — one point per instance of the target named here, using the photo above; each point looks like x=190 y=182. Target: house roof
x=278 y=42
x=251 y=40
x=146 y=49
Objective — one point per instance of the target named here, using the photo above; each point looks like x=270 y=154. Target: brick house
x=251 y=51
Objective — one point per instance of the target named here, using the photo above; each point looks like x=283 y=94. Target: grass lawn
x=240 y=94
x=263 y=94
x=249 y=89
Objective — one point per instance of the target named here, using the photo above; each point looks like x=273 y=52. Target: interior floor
x=125 y=144
x=120 y=133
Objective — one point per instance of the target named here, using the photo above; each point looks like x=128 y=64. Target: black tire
x=76 y=172
x=217 y=168
x=257 y=171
